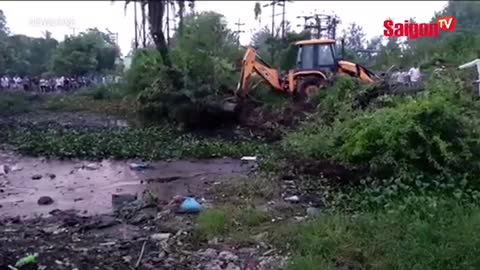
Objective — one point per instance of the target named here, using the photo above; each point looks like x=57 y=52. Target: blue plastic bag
x=190 y=205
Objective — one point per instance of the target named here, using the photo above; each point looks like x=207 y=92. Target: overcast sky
x=60 y=18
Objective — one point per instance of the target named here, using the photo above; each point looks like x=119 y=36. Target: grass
x=109 y=100
x=446 y=238
x=214 y=222
x=248 y=189
x=13 y=102
x=252 y=217
x=229 y=221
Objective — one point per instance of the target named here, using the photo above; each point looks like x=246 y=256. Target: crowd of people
x=51 y=84
x=412 y=76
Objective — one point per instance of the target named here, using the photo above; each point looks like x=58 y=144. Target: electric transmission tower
x=321 y=25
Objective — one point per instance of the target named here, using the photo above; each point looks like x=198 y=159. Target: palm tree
x=156 y=11
x=181 y=12
x=258 y=13
x=143 y=5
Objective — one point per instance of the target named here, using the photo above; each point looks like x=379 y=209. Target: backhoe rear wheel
x=306 y=87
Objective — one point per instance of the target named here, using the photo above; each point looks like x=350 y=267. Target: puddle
x=90 y=191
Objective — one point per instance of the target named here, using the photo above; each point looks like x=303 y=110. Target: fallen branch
x=141 y=254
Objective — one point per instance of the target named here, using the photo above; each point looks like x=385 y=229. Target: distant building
x=127 y=61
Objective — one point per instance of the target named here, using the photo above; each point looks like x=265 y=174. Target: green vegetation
x=413 y=203
x=111 y=99
x=443 y=236
x=214 y=222
x=149 y=143
x=16 y=102
x=229 y=221
x=89 y=52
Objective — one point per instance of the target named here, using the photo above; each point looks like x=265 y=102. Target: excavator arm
x=358 y=71
x=253 y=63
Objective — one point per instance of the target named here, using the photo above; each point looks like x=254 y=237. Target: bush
x=16 y=102
x=145 y=67
x=203 y=74
x=432 y=134
x=105 y=92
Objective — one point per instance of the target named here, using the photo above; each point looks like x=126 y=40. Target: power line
x=273 y=4
x=239 y=24
x=321 y=25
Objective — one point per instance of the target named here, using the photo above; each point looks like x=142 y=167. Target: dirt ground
x=81 y=227
x=67 y=211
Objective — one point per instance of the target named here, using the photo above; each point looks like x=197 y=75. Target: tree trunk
x=181 y=12
x=156 y=10
x=162 y=47
x=144 y=25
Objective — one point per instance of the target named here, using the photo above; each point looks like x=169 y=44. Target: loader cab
x=316 y=54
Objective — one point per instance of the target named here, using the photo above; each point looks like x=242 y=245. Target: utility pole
x=273 y=4
x=168 y=21
x=172 y=15
x=283 y=18
x=136 y=24
x=144 y=24
x=238 y=31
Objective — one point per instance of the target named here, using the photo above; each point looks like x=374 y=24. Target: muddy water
x=88 y=186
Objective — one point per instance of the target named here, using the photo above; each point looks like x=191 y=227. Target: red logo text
x=415 y=30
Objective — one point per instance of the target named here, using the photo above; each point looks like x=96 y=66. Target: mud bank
x=87 y=187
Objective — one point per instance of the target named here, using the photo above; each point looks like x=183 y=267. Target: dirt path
x=88 y=186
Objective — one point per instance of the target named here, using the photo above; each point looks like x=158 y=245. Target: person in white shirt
x=43 y=85
x=474 y=63
x=59 y=83
x=4 y=83
x=402 y=76
x=18 y=82
x=414 y=73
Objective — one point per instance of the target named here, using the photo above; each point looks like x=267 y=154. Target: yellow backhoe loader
x=316 y=65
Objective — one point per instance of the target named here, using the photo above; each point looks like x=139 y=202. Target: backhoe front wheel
x=306 y=87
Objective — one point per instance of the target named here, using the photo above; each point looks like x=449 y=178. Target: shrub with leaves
x=145 y=67
x=203 y=74
x=432 y=134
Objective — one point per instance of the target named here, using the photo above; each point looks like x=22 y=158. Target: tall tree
x=354 y=37
x=91 y=51
x=144 y=23
x=182 y=11
x=156 y=11
x=257 y=10
x=3 y=34
x=3 y=24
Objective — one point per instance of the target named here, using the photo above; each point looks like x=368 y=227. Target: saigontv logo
x=415 y=30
